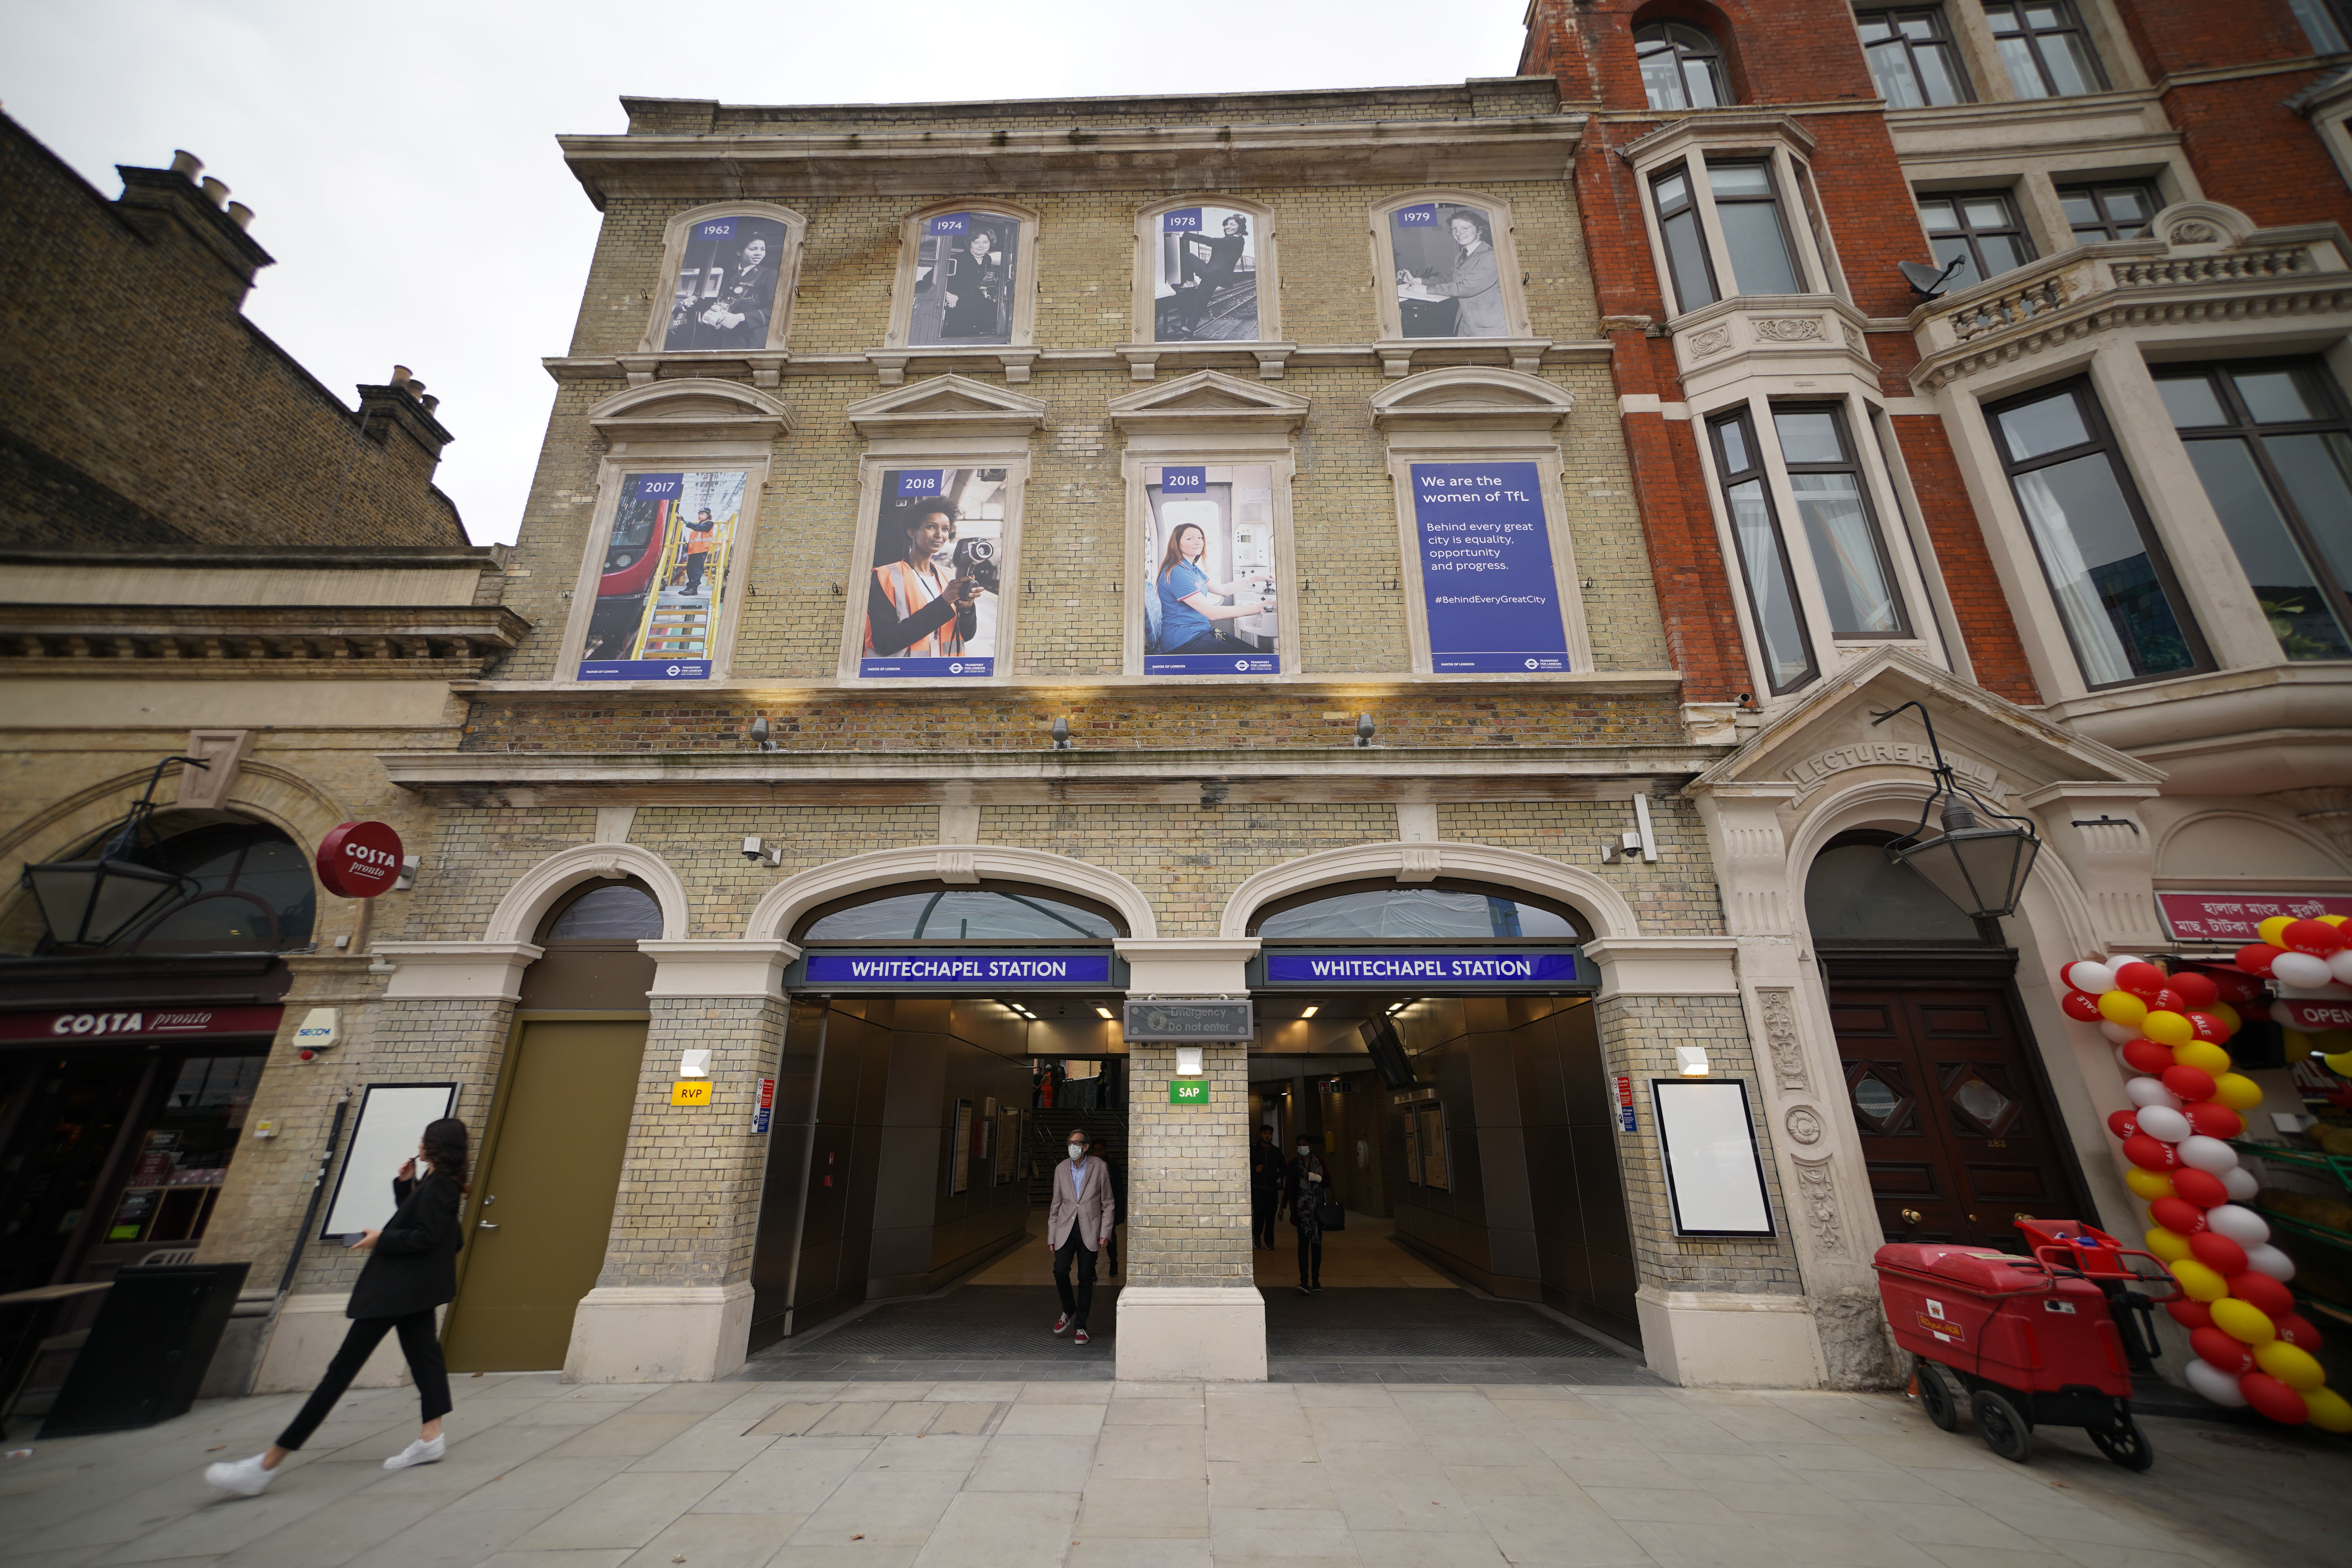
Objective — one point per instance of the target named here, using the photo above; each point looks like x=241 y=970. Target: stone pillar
x=1713 y=1311
x=444 y=1014
x=1189 y=1308
x=673 y=1301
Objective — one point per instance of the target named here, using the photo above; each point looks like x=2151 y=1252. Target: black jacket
x=413 y=1267
x=1266 y=1168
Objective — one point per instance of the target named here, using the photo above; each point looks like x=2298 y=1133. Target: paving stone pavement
x=1110 y=1475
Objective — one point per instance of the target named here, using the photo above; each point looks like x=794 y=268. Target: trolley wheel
x=2125 y=1444
x=1935 y=1395
x=2000 y=1423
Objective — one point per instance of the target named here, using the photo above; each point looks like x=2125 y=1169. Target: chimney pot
x=415 y=388
x=430 y=403
x=215 y=192
x=240 y=215
x=187 y=166
x=400 y=375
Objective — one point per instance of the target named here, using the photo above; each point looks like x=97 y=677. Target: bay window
x=1764 y=569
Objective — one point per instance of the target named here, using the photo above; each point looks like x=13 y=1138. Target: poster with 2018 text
x=1486 y=573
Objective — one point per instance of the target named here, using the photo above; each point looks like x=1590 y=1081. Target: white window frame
x=611 y=472
x=1783 y=145
x=1892 y=519
x=1506 y=269
x=890 y=455
x=1022 y=328
x=1268 y=273
x=674 y=243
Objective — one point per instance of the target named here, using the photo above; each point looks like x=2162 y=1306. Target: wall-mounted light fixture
x=1188 y=1061
x=94 y=904
x=1061 y=735
x=1982 y=869
x=1364 y=730
x=761 y=736
x=1690 y=1060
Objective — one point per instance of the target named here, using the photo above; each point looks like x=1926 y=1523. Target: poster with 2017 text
x=663 y=584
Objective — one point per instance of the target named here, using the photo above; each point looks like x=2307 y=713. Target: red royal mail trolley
x=2045 y=1341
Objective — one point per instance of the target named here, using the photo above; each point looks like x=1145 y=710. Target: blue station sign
x=1427 y=968
x=1005 y=969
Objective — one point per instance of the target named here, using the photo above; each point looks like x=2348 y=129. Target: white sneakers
x=420 y=1452
x=243 y=1478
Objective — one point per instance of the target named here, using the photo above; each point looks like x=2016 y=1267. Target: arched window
x=1854 y=893
x=1682 y=67
x=993 y=911
x=252 y=892
x=606 y=912
x=1445 y=911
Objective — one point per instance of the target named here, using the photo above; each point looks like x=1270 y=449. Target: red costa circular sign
x=360 y=859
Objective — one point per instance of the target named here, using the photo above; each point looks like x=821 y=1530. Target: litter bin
x=147 y=1354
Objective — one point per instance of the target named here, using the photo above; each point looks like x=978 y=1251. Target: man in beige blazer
x=1077 y=1225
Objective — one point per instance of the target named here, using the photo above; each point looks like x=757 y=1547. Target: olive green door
x=547 y=1182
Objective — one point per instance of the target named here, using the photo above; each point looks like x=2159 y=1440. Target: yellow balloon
x=2332 y=1042
x=2147 y=1186
x=2296 y=1042
x=2341 y=1066
x=2334 y=920
x=2291 y=1365
x=2168 y=1244
x=2329 y=1410
x=2228 y=1015
x=2272 y=930
x=2122 y=1007
x=2202 y=1054
x=2201 y=1283
x=2236 y=1090
x=2240 y=1320
x=2167 y=1028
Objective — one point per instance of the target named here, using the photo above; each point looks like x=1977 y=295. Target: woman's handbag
x=1332 y=1216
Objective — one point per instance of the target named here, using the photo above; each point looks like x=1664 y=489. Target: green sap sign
x=1188 y=1091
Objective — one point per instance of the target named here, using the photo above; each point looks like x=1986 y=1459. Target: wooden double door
x=1957 y=1131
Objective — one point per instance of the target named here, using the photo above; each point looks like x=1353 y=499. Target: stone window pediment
x=1206 y=404
x=692 y=409
x=942 y=405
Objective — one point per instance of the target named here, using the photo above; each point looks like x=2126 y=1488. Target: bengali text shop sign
x=2235 y=917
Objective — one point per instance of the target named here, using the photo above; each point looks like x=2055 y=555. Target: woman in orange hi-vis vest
x=910 y=609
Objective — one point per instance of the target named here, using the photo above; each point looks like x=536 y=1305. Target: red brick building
x=2078 y=484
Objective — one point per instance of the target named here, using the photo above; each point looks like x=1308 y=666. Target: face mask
x=1077 y=1150
x=1302 y=1150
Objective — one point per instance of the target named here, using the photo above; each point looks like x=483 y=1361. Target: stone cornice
x=367 y=641
x=1187 y=157
x=818 y=778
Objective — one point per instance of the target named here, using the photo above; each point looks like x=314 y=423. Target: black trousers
x=419 y=1342
x=1310 y=1257
x=694 y=564
x=1075 y=1302
x=1262 y=1205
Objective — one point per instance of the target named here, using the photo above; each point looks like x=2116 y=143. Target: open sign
x=359 y=859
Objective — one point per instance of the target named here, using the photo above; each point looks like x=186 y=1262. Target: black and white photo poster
x=1205 y=279
x=932 y=589
x=964 y=280
x=1448 y=282
x=726 y=287
x=1208 y=605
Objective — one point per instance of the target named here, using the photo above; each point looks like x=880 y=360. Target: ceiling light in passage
x=1310 y=1012
x=1104 y=1011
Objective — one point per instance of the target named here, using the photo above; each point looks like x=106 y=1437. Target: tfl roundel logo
x=675 y=670
x=956 y=669
x=1241 y=664
x=1531 y=664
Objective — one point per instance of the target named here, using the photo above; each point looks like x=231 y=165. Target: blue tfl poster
x=1486 y=575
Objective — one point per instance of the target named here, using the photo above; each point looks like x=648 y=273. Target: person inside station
x=1267 y=1175
x=1078 y=1224
x=1307 y=1184
x=912 y=608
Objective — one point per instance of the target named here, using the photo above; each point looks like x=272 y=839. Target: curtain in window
x=2079 y=600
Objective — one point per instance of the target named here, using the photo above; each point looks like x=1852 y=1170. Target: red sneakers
x=1062 y=1324
x=1081 y=1336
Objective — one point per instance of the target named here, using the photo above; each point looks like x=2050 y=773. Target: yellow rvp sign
x=690 y=1091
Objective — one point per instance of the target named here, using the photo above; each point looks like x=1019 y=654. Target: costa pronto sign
x=359 y=859
x=139 y=1023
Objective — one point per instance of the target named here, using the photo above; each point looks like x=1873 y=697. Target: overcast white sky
x=402 y=167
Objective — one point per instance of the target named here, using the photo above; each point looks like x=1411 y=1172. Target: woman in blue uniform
x=1189 y=608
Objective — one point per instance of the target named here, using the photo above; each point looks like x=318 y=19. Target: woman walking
x=1308 y=1185
x=412 y=1268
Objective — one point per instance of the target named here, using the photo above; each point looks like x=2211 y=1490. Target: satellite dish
x=1925 y=280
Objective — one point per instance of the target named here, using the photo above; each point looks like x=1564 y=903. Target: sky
x=401 y=165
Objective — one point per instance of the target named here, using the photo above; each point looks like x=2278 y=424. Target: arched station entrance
x=943 y=1040
x=1435 y=1044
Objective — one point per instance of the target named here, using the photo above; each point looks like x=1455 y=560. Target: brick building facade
x=1782 y=491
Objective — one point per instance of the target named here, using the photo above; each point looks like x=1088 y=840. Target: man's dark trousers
x=1263 y=1202
x=1074 y=1305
